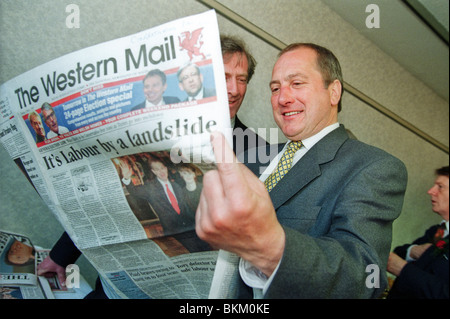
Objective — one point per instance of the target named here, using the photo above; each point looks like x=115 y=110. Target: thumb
x=227 y=165
x=61 y=274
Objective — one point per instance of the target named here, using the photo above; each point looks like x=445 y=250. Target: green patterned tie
x=284 y=165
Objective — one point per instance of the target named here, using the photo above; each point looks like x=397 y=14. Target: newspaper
x=18 y=264
x=84 y=131
x=19 y=260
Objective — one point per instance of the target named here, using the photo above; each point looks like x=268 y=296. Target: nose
x=232 y=86
x=285 y=97
x=432 y=190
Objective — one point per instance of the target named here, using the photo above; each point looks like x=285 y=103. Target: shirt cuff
x=408 y=256
x=255 y=278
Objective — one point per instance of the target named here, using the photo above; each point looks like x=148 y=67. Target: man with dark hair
x=155 y=84
x=422 y=267
x=239 y=67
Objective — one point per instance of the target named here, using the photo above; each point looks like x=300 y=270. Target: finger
x=200 y=216
x=41 y=271
x=62 y=278
x=222 y=151
x=211 y=198
x=231 y=178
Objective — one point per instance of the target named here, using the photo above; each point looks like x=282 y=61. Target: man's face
x=302 y=106
x=160 y=170
x=50 y=120
x=190 y=81
x=439 y=196
x=19 y=253
x=37 y=126
x=236 y=75
x=154 y=89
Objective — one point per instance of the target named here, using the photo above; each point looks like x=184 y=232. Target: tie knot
x=294 y=146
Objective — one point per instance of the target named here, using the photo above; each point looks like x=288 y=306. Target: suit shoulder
x=139 y=106
x=170 y=99
x=365 y=155
x=368 y=151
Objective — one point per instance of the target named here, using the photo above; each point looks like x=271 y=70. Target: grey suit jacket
x=337 y=206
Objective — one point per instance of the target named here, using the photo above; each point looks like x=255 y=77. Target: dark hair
x=443 y=171
x=156 y=72
x=47 y=106
x=327 y=62
x=231 y=45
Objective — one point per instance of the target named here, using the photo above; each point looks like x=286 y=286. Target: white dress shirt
x=150 y=104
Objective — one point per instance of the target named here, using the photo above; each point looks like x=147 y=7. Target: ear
x=335 y=90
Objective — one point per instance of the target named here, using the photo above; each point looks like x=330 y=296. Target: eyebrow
x=238 y=74
x=289 y=77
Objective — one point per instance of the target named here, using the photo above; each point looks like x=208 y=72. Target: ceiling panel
x=406 y=33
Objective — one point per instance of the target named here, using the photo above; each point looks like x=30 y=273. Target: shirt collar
x=150 y=104
x=199 y=95
x=311 y=141
x=446 y=224
x=233 y=121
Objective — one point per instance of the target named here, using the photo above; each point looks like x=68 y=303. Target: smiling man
x=239 y=65
x=326 y=212
x=155 y=84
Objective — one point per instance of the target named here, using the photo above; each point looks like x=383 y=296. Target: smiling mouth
x=292 y=113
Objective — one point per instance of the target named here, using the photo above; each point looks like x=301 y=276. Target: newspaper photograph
x=115 y=138
x=17 y=260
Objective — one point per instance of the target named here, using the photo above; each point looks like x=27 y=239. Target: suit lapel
x=257 y=159
x=308 y=168
x=298 y=177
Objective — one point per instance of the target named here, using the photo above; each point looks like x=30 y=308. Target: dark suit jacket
x=244 y=139
x=427 y=277
x=64 y=252
x=336 y=206
x=171 y=222
x=166 y=99
x=207 y=92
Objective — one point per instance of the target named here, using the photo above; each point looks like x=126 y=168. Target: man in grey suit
x=325 y=229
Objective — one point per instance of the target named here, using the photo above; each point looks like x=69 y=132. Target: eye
x=274 y=89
